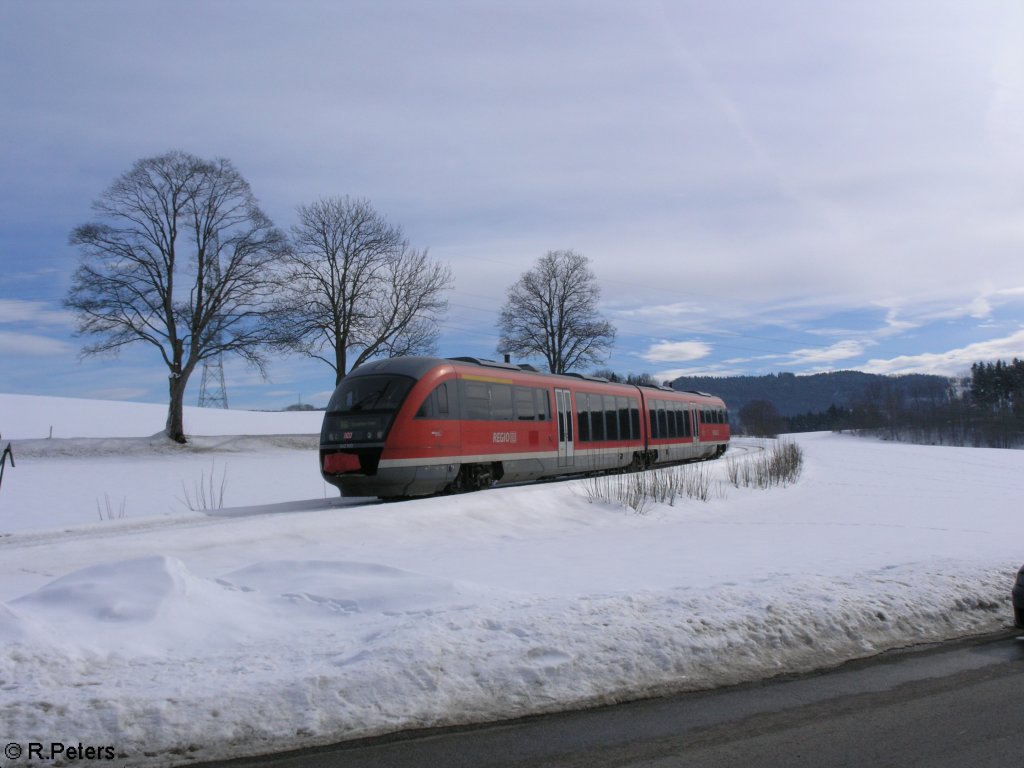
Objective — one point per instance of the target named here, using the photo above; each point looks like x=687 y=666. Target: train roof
x=417 y=367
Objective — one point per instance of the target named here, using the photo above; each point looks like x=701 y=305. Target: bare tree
x=354 y=289
x=551 y=312
x=180 y=258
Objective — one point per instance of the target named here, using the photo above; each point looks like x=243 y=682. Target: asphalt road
x=956 y=704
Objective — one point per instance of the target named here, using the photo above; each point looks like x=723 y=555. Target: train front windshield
x=362 y=409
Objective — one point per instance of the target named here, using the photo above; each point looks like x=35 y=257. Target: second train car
x=416 y=426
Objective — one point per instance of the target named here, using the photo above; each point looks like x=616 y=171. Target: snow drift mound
x=147 y=605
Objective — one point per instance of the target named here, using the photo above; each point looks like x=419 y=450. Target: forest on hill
x=794 y=395
x=984 y=409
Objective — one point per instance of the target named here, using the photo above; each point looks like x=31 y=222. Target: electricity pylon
x=213 y=392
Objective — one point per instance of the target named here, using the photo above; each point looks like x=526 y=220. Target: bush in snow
x=662 y=486
x=779 y=466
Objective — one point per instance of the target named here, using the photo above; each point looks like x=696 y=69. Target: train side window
x=501 y=402
x=634 y=418
x=441 y=399
x=428 y=410
x=597 y=422
x=435 y=406
x=478 y=403
x=653 y=413
x=662 y=420
x=583 y=415
x=611 y=419
x=543 y=404
x=526 y=409
x=687 y=428
x=623 y=405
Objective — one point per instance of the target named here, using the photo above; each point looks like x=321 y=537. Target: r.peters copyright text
x=58 y=750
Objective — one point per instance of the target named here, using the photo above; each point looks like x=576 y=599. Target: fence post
x=3 y=462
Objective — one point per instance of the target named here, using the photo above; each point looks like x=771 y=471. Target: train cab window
x=583 y=415
x=435 y=406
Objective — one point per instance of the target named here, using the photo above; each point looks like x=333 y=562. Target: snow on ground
x=291 y=617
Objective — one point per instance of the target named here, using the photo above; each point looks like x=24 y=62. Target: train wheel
x=474 y=477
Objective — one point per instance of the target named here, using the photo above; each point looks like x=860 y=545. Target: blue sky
x=761 y=187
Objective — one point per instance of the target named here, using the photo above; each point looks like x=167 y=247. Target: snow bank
x=29 y=417
x=292 y=618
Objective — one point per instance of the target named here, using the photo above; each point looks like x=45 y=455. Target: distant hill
x=795 y=395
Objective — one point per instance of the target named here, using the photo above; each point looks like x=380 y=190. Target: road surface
x=956 y=704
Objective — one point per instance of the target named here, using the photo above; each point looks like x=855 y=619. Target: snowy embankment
x=291 y=618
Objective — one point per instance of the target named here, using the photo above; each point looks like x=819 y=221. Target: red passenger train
x=414 y=426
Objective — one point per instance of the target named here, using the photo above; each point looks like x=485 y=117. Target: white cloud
x=843 y=350
x=32 y=345
x=952 y=362
x=35 y=312
x=1006 y=109
x=677 y=351
x=674 y=373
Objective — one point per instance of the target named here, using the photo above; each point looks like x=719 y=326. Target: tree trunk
x=177 y=382
x=175 y=410
x=341 y=360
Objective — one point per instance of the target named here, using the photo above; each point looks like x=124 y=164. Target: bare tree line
x=182 y=258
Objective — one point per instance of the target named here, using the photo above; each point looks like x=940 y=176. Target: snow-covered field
x=291 y=617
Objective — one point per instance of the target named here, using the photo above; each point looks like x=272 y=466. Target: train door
x=695 y=418
x=566 y=443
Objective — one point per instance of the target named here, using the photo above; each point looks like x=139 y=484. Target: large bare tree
x=180 y=257
x=354 y=289
x=551 y=312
